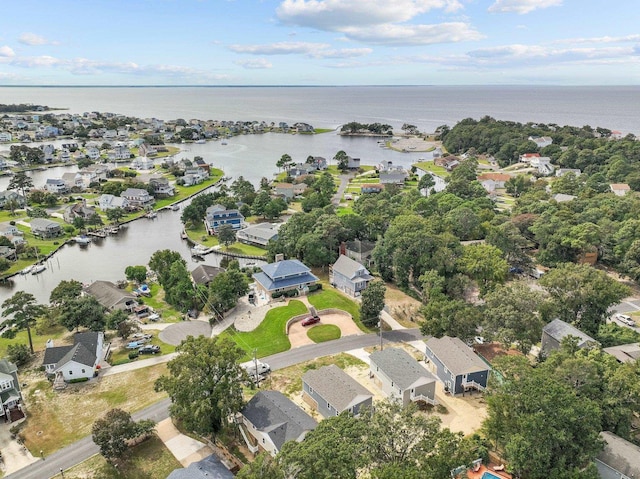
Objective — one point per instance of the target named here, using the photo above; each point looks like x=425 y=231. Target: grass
x=199 y=235
x=121 y=355
x=59 y=418
x=330 y=298
x=430 y=166
x=148 y=460
x=324 y=332
x=160 y=306
x=270 y=337
x=323 y=130
x=39 y=340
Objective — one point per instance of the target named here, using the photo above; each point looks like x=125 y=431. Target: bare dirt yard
x=298 y=333
x=465 y=414
x=404 y=308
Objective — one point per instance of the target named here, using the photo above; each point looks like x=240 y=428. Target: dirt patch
x=490 y=351
x=404 y=308
x=465 y=414
x=298 y=333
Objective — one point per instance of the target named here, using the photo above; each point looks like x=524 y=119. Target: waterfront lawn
x=324 y=332
x=59 y=418
x=323 y=130
x=247 y=249
x=198 y=234
x=147 y=460
x=270 y=337
x=330 y=298
x=430 y=166
x=39 y=340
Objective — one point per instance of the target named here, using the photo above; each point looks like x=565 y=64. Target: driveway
x=14 y=455
x=298 y=333
x=178 y=332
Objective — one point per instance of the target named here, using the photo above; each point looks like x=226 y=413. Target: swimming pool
x=488 y=475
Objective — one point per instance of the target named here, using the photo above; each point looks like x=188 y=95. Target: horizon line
x=322 y=86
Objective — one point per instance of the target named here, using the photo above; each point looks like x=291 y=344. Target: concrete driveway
x=298 y=332
x=178 y=332
x=15 y=455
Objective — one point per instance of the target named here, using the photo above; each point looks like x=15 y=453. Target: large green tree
x=83 y=311
x=485 y=264
x=161 y=261
x=204 y=383
x=372 y=302
x=24 y=309
x=226 y=288
x=112 y=433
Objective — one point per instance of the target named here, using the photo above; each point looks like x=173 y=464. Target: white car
x=154 y=317
x=623 y=318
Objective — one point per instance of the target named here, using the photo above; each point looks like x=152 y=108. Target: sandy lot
x=465 y=413
x=413 y=144
x=298 y=333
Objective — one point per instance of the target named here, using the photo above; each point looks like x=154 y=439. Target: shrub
x=9 y=333
x=133 y=354
x=78 y=380
x=18 y=354
x=315 y=287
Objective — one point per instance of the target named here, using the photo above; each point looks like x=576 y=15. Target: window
x=328 y=406
x=310 y=390
x=70 y=373
x=83 y=371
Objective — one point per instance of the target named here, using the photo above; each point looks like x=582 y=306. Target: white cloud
x=624 y=39
x=334 y=15
x=414 y=34
x=522 y=6
x=342 y=53
x=6 y=51
x=311 y=50
x=254 y=63
x=33 y=39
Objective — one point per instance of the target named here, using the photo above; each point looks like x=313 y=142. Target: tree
x=582 y=295
x=18 y=354
x=25 y=310
x=484 y=263
x=372 y=302
x=64 y=293
x=112 y=433
x=226 y=235
x=115 y=214
x=274 y=208
x=161 y=261
x=179 y=291
x=83 y=311
x=260 y=202
x=204 y=383
x=450 y=317
x=426 y=182
x=262 y=467
x=20 y=181
x=284 y=162
x=136 y=273
x=114 y=318
x=342 y=159
x=226 y=288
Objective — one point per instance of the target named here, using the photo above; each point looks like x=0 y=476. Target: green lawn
x=323 y=130
x=200 y=235
x=429 y=166
x=330 y=298
x=324 y=332
x=270 y=337
x=39 y=340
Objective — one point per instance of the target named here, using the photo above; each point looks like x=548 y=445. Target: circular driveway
x=298 y=333
x=178 y=332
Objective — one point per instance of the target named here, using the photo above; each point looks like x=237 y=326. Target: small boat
x=175 y=207
x=82 y=240
x=151 y=215
x=184 y=235
x=199 y=250
x=223 y=142
x=201 y=142
x=27 y=270
x=38 y=268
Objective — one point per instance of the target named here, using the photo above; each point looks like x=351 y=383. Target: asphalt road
x=85 y=448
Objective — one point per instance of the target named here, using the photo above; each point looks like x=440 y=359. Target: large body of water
x=255 y=156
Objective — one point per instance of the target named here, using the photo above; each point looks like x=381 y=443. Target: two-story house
x=44 y=228
x=284 y=275
x=10 y=394
x=217 y=216
x=107 y=202
x=137 y=197
x=349 y=276
x=56 y=186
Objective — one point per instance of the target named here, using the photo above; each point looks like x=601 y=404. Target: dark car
x=149 y=349
x=310 y=320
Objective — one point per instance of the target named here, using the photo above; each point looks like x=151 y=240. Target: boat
x=151 y=215
x=27 y=270
x=199 y=250
x=82 y=240
x=113 y=230
x=38 y=268
x=175 y=207
x=223 y=142
x=201 y=142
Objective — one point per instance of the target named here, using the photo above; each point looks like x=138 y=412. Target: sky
x=320 y=42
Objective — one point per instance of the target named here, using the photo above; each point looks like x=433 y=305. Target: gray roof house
x=557 y=330
x=8 y=195
x=208 y=468
x=625 y=353
x=10 y=394
x=349 y=276
x=273 y=419
x=110 y=296
x=361 y=251
x=619 y=459
x=45 y=228
x=137 y=197
x=393 y=177
x=259 y=234
x=331 y=391
x=204 y=274
x=401 y=377
x=77 y=361
x=284 y=275
x=456 y=364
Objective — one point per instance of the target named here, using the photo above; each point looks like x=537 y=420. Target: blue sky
x=319 y=42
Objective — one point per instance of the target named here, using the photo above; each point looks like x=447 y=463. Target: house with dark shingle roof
x=349 y=276
x=620 y=459
x=283 y=276
x=401 y=377
x=557 y=330
x=208 y=468
x=456 y=364
x=331 y=391
x=204 y=274
x=111 y=297
x=10 y=394
x=625 y=353
x=273 y=419
x=77 y=361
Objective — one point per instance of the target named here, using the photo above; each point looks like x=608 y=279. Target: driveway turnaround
x=184 y=448
x=178 y=332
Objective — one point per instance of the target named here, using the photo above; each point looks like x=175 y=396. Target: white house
x=5 y=136
x=619 y=189
x=78 y=361
x=56 y=186
x=541 y=141
x=542 y=164
x=107 y=202
x=93 y=153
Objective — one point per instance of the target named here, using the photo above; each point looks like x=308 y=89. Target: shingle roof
x=276 y=415
x=558 y=330
x=625 y=353
x=336 y=387
x=83 y=351
x=55 y=354
x=7 y=367
x=107 y=293
x=204 y=273
x=400 y=367
x=456 y=356
x=284 y=268
x=349 y=268
x=620 y=455
x=80 y=354
x=208 y=468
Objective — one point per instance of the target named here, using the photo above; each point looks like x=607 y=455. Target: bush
x=78 y=380
x=18 y=353
x=9 y=333
x=315 y=287
x=133 y=354
x=292 y=293
x=276 y=295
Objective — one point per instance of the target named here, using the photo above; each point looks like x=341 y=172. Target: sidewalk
x=139 y=364
x=185 y=449
x=389 y=321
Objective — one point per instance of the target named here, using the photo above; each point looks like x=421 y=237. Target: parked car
x=310 y=320
x=135 y=344
x=263 y=368
x=623 y=318
x=141 y=336
x=149 y=349
x=154 y=317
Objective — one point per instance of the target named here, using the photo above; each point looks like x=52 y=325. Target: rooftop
x=400 y=367
x=336 y=387
x=456 y=356
x=559 y=330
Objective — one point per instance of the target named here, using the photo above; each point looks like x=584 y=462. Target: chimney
x=49 y=343
x=343 y=248
x=279 y=257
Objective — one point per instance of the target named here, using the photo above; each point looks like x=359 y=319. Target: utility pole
x=380 y=324
x=255 y=365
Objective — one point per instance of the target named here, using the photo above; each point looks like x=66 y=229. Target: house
x=137 y=197
x=619 y=459
x=78 y=361
x=331 y=391
x=8 y=195
x=56 y=186
x=393 y=177
x=619 y=189
x=616 y=135
x=78 y=210
x=493 y=181
x=353 y=163
x=563 y=198
x=208 y=468
x=285 y=190
x=541 y=141
x=371 y=188
x=301 y=169
x=284 y=275
x=218 y=215
x=5 y=137
x=448 y=162
x=142 y=163
x=8 y=252
x=147 y=150
x=625 y=353
x=456 y=365
x=358 y=250
x=401 y=377
x=204 y=274
x=542 y=164
x=161 y=186
x=111 y=297
x=349 y=276
x=527 y=157
x=319 y=162
x=10 y=393
x=107 y=202
x=7 y=229
x=74 y=180
x=557 y=330
x=389 y=166
x=93 y=153
x=190 y=180
x=259 y=234
x=564 y=171
x=45 y=228
x=273 y=419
